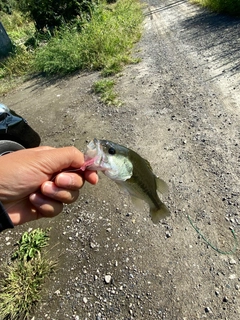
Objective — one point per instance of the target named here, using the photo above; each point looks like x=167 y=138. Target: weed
x=104 y=87
x=21 y=281
x=20 y=286
x=104 y=43
x=17 y=64
x=18 y=27
x=31 y=244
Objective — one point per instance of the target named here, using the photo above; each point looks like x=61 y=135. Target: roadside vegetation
x=99 y=38
x=105 y=88
x=75 y=35
x=22 y=279
x=231 y=7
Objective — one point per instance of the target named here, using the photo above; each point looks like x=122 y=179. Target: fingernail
x=36 y=199
x=64 y=179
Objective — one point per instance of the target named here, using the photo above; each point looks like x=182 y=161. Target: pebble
x=57 y=292
x=85 y=300
x=168 y=234
x=107 y=278
x=232 y=261
x=92 y=245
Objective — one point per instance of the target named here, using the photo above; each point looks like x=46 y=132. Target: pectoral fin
x=161 y=185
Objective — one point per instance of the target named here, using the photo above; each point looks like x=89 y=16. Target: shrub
x=50 y=13
x=231 y=7
x=103 y=44
x=7 y=6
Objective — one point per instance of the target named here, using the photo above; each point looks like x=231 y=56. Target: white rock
x=108 y=278
x=232 y=261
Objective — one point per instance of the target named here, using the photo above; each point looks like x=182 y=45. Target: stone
x=107 y=278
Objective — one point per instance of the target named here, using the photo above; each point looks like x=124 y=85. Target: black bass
x=130 y=171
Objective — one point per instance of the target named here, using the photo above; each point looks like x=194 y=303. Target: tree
x=5 y=42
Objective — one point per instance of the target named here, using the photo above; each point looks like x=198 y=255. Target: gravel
x=181 y=112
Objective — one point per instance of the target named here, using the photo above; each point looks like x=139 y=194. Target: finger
x=69 y=180
x=49 y=189
x=43 y=148
x=45 y=207
x=61 y=158
x=91 y=176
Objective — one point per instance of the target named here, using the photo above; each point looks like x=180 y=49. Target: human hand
x=27 y=188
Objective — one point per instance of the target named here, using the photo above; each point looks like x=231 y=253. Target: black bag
x=15 y=133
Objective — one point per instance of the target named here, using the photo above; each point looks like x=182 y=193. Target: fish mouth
x=94 y=151
x=95 y=157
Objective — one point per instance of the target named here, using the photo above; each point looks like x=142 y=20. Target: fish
x=130 y=171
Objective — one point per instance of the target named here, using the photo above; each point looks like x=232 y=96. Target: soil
x=181 y=112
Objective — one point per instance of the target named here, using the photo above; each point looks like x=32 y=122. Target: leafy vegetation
x=7 y=5
x=231 y=7
x=19 y=28
x=48 y=14
x=103 y=44
x=22 y=280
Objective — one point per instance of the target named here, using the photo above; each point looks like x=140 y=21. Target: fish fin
x=138 y=203
x=122 y=187
x=160 y=213
x=161 y=185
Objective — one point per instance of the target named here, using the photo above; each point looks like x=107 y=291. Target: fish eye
x=111 y=151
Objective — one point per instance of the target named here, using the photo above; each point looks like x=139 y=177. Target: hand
x=27 y=190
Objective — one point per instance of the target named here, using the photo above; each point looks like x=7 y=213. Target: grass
x=19 y=28
x=103 y=44
x=105 y=88
x=22 y=280
x=17 y=64
x=30 y=244
x=231 y=7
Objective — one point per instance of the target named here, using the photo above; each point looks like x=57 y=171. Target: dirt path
x=181 y=112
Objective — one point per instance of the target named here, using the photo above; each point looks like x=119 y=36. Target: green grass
x=21 y=281
x=103 y=44
x=231 y=7
x=105 y=88
x=18 y=27
x=17 y=64
x=30 y=244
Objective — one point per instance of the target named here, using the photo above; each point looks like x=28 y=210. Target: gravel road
x=181 y=112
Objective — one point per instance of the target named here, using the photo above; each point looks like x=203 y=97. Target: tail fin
x=159 y=213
